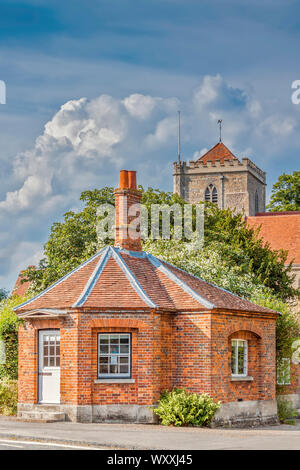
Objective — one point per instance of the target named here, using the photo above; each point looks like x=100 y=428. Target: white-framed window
x=239 y=357
x=284 y=372
x=114 y=355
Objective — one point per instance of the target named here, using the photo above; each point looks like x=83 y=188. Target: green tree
x=286 y=193
x=3 y=294
x=9 y=323
x=228 y=239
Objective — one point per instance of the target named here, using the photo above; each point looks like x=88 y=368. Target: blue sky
x=94 y=86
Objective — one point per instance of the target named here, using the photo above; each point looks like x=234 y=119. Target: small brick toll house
x=103 y=342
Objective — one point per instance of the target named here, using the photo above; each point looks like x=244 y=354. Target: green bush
x=9 y=324
x=286 y=411
x=180 y=408
x=8 y=397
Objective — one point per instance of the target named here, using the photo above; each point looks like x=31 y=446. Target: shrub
x=180 y=408
x=9 y=323
x=8 y=397
x=286 y=411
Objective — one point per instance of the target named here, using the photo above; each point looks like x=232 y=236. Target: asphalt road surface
x=12 y=444
x=16 y=434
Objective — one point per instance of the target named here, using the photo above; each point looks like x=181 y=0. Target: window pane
x=103 y=369
x=114 y=348
x=45 y=361
x=51 y=350
x=283 y=372
x=124 y=369
x=51 y=361
x=233 y=357
x=57 y=361
x=111 y=362
x=103 y=359
x=241 y=357
x=104 y=348
x=124 y=339
x=104 y=339
x=113 y=369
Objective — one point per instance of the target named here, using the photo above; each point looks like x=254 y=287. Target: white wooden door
x=49 y=366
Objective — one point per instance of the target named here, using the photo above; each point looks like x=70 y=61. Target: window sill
x=246 y=378
x=114 y=381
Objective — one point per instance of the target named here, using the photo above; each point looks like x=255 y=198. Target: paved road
x=15 y=444
x=131 y=436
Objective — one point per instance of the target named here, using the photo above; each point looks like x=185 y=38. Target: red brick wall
x=260 y=333
x=190 y=350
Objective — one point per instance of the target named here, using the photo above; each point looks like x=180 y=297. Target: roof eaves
x=66 y=276
x=159 y=265
x=133 y=281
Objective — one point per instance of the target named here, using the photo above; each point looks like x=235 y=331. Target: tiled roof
x=280 y=230
x=116 y=278
x=20 y=287
x=218 y=152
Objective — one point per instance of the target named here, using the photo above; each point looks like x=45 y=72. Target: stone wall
x=236 y=182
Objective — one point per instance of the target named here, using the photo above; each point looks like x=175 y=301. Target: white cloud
x=279 y=126
x=140 y=106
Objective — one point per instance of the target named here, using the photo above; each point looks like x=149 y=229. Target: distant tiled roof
x=218 y=152
x=20 y=287
x=281 y=230
x=116 y=278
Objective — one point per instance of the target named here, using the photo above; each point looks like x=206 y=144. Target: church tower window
x=211 y=194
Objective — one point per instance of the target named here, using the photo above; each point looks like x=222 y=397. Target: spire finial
x=179 y=143
x=220 y=125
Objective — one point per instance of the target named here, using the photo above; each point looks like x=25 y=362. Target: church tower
x=220 y=177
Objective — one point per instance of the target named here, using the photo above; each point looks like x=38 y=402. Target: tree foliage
x=286 y=193
x=9 y=324
x=228 y=241
x=3 y=294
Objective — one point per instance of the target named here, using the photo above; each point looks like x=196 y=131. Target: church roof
x=116 y=278
x=218 y=152
x=281 y=230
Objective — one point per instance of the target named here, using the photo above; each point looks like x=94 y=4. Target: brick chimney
x=127 y=216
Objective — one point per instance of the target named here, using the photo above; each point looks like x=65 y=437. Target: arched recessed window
x=256 y=202
x=211 y=194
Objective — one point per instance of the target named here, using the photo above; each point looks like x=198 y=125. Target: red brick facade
x=188 y=350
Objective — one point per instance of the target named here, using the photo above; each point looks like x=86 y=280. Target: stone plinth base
x=246 y=414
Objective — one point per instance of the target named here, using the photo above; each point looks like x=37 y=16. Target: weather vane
x=220 y=124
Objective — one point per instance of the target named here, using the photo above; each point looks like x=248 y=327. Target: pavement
x=147 y=437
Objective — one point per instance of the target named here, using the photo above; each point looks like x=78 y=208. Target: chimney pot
x=123 y=184
x=132 y=179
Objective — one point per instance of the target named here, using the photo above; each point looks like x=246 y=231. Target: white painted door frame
x=49 y=366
